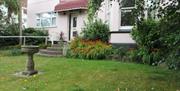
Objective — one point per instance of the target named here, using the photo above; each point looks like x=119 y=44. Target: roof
x=66 y=5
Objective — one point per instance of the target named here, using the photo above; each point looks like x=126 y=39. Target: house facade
x=68 y=17
x=56 y=16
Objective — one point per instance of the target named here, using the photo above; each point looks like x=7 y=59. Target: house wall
x=121 y=38
x=63 y=23
x=81 y=18
x=105 y=13
x=39 y=6
x=62 y=20
x=42 y=6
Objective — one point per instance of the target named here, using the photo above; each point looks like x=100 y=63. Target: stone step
x=50 y=52
x=55 y=48
x=48 y=55
x=53 y=51
x=56 y=45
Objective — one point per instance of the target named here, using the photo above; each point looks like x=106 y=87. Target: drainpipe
x=70 y=26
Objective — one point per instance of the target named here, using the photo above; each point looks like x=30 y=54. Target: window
x=128 y=3
x=46 y=19
x=74 y=21
x=75 y=33
x=127 y=18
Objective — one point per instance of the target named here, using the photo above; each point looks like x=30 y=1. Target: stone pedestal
x=30 y=51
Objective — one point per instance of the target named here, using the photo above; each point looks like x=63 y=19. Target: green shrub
x=118 y=54
x=158 y=43
x=133 y=56
x=120 y=51
x=11 y=52
x=173 y=60
x=147 y=36
x=170 y=39
x=13 y=30
x=15 y=52
x=161 y=34
x=87 y=49
x=9 y=30
x=10 y=47
x=43 y=46
x=34 y=32
x=96 y=30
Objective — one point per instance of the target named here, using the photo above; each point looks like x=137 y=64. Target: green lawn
x=61 y=74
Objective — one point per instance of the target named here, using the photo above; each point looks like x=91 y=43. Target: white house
x=68 y=16
x=58 y=16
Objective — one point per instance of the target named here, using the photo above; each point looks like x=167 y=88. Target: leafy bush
x=43 y=46
x=162 y=35
x=11 y=52
x=118 y=54
x=10 y=30
x=13 y=30
x=120 y=51
x=34 y=32
x=173 y=60
x=134 y=56
x=86 y=49
x=156 y=42
x=170 y=39
x=10 y=47
x=15 y=52
x=147 y=36
x=96 y=30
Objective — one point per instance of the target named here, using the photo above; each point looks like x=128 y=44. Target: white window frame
x=126 y=28
x=39 y=17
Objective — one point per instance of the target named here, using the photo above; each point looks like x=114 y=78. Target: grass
x=61 y=74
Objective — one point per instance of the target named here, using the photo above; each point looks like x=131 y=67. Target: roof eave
x=79 y=8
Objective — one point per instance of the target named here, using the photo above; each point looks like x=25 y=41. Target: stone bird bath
x=30 y=51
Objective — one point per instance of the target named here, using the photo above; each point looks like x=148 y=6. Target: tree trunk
x=20 y=22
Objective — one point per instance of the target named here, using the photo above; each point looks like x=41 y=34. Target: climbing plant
x=93 y=6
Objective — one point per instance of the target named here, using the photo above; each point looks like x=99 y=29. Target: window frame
x=39 y=19
x=127 y=28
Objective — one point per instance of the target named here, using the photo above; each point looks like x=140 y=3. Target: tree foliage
x=12 y=8
x=93 y=6
x=160 y=32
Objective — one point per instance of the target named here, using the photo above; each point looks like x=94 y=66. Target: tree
x=12 y=8
x=93 y=6
x=160 y=33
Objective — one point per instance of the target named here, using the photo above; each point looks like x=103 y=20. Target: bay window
x=127 y=18
x=46 y=19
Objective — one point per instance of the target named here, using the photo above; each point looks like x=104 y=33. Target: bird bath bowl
x=30 y=51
